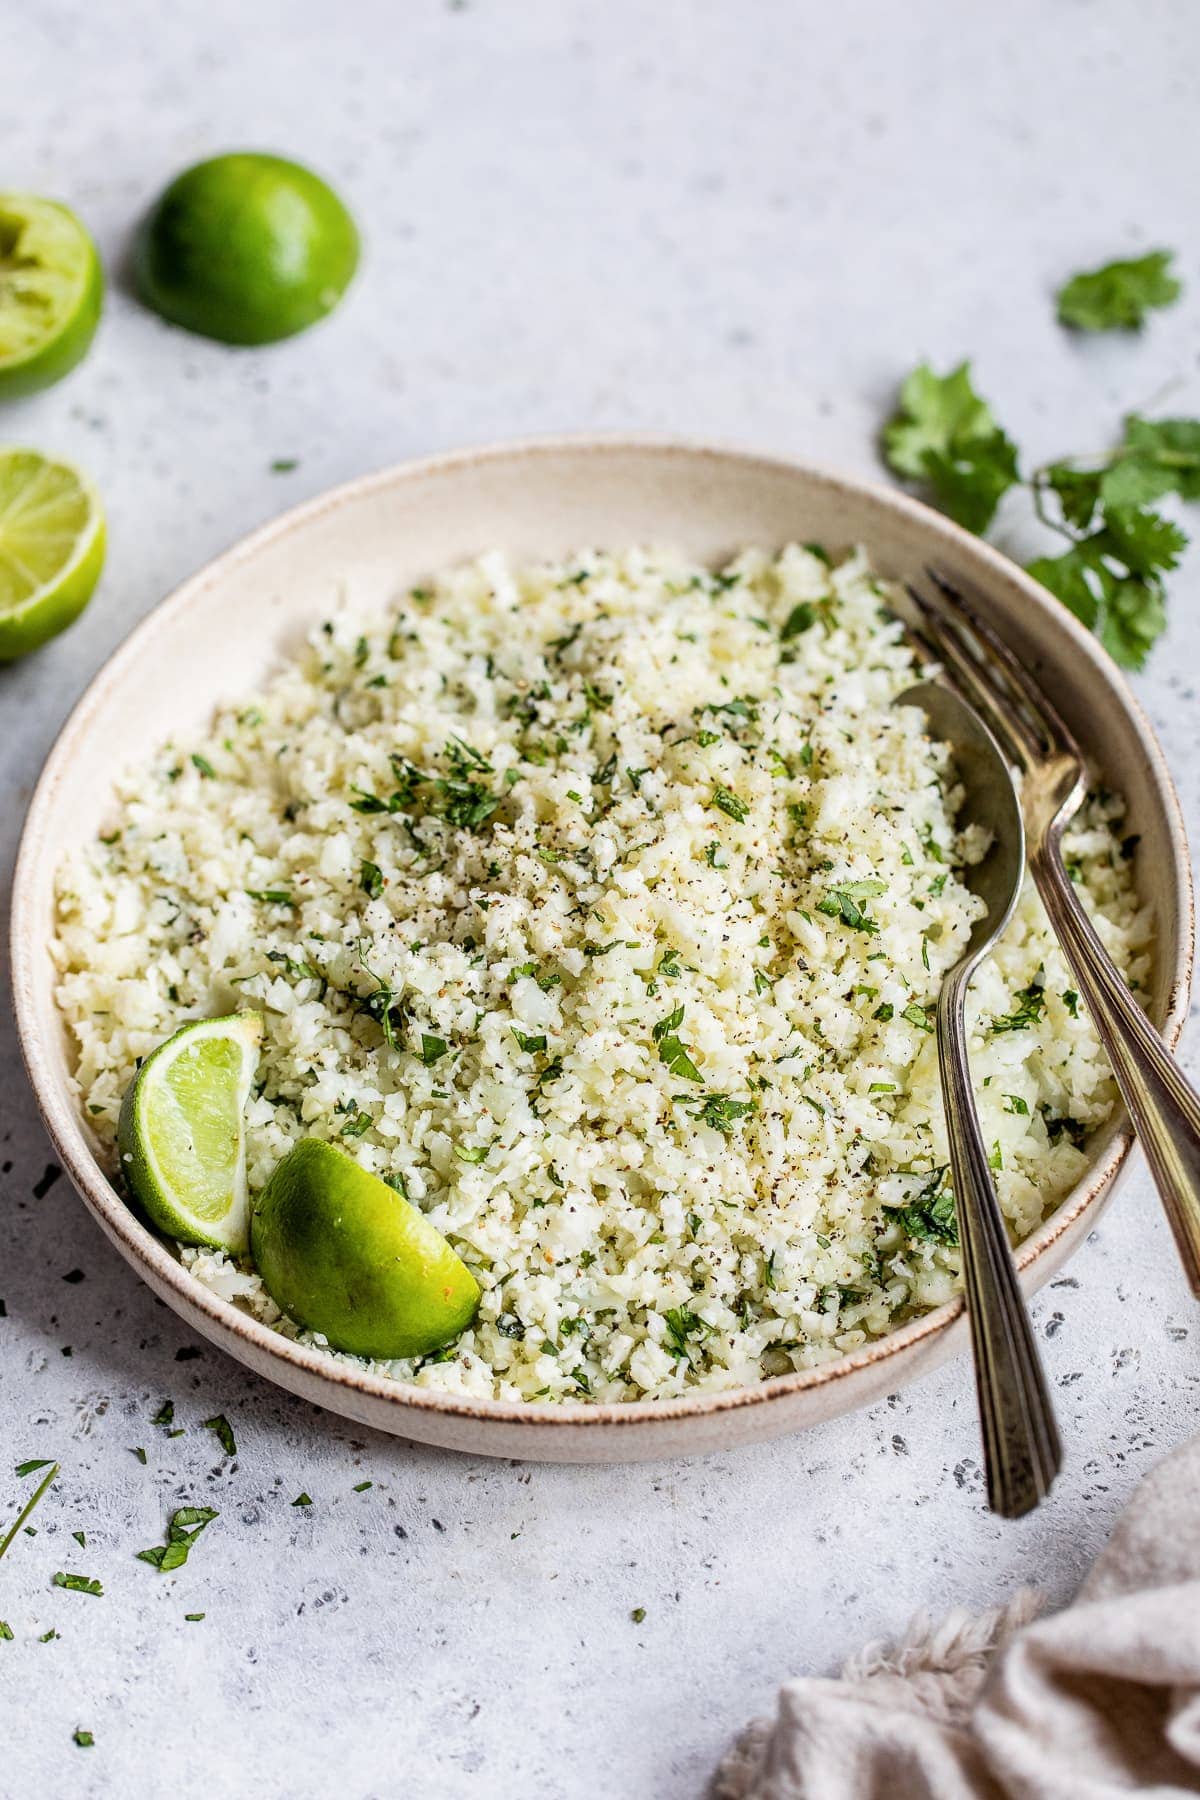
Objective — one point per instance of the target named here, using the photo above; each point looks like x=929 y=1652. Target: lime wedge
x=344 y=1254
x=180 y=1136
x=51 y=548
x=51 y=292
x=246 y=248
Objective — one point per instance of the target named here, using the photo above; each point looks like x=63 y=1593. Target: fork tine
x=970 y=676
x=1057 y=732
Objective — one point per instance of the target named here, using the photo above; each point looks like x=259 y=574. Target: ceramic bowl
x=225 y=629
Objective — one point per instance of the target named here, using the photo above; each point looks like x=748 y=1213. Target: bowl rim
x=220 y=1319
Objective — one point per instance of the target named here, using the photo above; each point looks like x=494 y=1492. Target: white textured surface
x=740 y=220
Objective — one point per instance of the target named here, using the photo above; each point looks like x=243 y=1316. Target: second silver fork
x=1163 y=1105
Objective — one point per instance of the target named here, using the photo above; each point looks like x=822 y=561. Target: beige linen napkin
x=1100 y=1700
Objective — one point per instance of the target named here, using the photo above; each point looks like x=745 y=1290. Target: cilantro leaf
x=929 y=1213
x=945 y=436
x=187 y=1522
x=1155 y=457
x=1117 y=296
x=1112 y=579
x=223 y=1431
x=78 y=1584
x=671 y=1051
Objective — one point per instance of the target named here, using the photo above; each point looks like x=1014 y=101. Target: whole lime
x=246 y=248
x=341 y=1252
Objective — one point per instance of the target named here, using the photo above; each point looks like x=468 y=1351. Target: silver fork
x=1163 y=1105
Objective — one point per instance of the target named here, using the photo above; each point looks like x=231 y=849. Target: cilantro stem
x=28 y=1507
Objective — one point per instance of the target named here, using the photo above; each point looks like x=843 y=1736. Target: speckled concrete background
x=742 y=220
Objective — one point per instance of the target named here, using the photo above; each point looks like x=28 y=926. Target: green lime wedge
x=180 y=1136
x=246 y=248
x=51 y=548
x=342 y=1253
x=51 y=293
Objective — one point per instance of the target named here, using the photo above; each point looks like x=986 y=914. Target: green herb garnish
x=671 y=1052
x=223 y=1431
x=1118 y=296
x=929 y=1214
x=78 y=1584
x=185 y=1527
x=1027 y=1013
x=370 y=879
x=729 y=804
x=29 y=1505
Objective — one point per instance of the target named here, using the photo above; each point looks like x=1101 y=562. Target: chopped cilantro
x=682 y=1324
x=729 y=804
x=1071 y=1002
x=219 y=1425
x=802 y=618
x=302 y=1500
x=185 y=1526
x=78 y=1584
x=474 y=1153
x=432 y=1049
x=528 y=1041
x=1028 y=1012
x=205 y=767
x=717 y=1110
x=671 y=1052
x=929 y=1214
x=83 y=1738
x=370 y=879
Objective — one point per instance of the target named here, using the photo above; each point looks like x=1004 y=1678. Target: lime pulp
x=51 y=548
x=51 y=293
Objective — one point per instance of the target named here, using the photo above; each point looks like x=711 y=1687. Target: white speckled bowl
x=384 y=533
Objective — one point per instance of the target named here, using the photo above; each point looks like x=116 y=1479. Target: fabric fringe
x=936 y=1669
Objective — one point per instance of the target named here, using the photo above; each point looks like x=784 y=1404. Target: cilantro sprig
x=1111 y=575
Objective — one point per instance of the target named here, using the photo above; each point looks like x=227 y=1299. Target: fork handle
x=1162 y=1103
x=1021 y=1448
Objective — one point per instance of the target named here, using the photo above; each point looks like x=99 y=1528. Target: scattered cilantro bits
x=78 y=1584
x=302 y=1500
x=223 y=1431
x=83 y=1738
x=186 y=1524
x=1117 y=296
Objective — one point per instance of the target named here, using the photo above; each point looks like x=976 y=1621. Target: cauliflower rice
x=602 y=908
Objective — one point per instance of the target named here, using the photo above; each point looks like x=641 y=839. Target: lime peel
x=181 y=1136
x=345 y=1255
x=52 y=541
x=51 y=293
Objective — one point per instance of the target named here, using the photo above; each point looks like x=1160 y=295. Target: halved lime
x=51 y=548
x=51 y=293
x=344 y=1254
x=181 y=1137
x=246 y=248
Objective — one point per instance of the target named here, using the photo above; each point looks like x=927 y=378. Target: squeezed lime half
x=51 y=293
x=181 y=1136
x=344 y=1254
x=246 y=248
x=51 y=548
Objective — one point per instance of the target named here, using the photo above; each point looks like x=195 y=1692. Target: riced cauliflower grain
x=615 y=896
